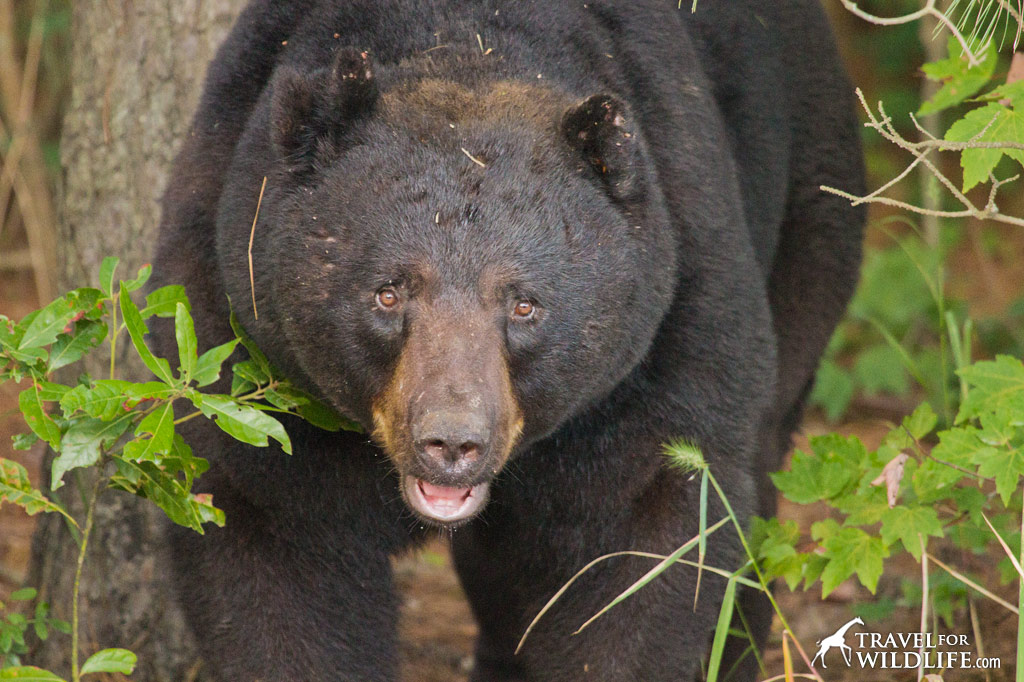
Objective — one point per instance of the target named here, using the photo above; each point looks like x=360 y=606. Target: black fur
x=649 y=178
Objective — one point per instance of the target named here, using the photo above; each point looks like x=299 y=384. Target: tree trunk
x=137 y=71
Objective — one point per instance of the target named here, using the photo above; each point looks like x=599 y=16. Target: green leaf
x=1006 y=465
x=250 y=371
x=849 y=551
x=24 y=441
x=28 y=357
x=921 y=422
x=958 y=449
x=280 y=400
x=69 y=348
x=107 y=269
x=320 y=415
x=814 y=567
x=148 y=390
x=160 y=425
x=990 y=123
x=163 y=302
x=110 y=661
x=203 y=505
x=832 y=469
x=971 y=501
x=207 y=369
x=181 y=460
x=30 y=402
x=7 y=337
x=906 y=523
x=959 y=80
x=142 y=276
x=1011 y=91
x=774 y=544
x=29 y=674
x=12 y=338
x=104 y=399
x=879 y=369
x=833 y=389
x=87 y=301
x=185 y=334
x=39 y=627
x=242 y=422
x=40 y=618
x=137 y=331
x=994 y=385
x=16 y=487
x=80 y=446
x=894 y=292
x=147 y=480
x=52 y=320
x=999 y=428
x=254 y=352
x=863 y=507
x=296 y=401
x=240 y=385
x=24 y=594
x=50 y=392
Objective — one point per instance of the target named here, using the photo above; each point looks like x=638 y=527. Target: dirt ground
x=437 y=629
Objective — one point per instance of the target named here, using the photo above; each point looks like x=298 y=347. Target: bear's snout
x=448 y=419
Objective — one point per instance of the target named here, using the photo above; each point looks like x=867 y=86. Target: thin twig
x=90 y=514
x=979 y=640
x=924 y=605
x=473 y=158
x=252 y=236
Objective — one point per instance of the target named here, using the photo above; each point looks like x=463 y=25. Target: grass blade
x=651 y=574
x=1006 y=548
x=722 y=630
x=702 y=531
x=562 y=590
x=1020 y=607
x=973 y=585
x=787 y=658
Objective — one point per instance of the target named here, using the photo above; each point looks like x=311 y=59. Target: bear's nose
x=451 y=442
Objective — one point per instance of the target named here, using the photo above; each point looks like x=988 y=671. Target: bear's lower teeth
x=443 y=503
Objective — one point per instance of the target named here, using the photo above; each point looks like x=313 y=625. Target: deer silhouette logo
x=836 y=641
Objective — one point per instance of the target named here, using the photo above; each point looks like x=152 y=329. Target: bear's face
x=463 y=271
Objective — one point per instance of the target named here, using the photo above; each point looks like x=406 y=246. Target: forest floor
x=437 y=628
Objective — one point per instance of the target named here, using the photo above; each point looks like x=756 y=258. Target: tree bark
x=137 y=72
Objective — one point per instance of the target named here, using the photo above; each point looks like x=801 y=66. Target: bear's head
x=461 y=268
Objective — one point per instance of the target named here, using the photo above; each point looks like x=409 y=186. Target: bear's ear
x=601 y=129
x=308 y=109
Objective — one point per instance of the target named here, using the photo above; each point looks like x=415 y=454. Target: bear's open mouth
x=442 y=503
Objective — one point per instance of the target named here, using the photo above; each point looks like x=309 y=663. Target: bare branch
x=929 y=9
x=883 y=125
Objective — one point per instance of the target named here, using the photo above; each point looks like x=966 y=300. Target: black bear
x=524 y=244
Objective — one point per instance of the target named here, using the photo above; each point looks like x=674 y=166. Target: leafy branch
x=973 y=166
x=124 y=431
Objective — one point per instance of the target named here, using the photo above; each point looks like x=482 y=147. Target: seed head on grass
x=684 y=456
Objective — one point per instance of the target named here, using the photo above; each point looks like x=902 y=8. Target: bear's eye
x=523 y=310
x=387 y=298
